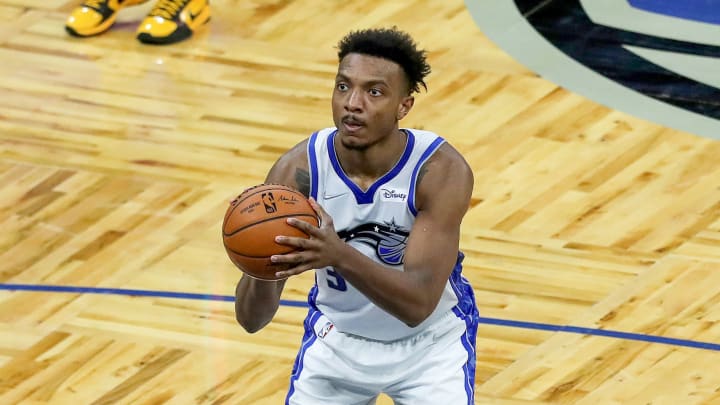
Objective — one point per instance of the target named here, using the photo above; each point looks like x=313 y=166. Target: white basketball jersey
x=376 y=222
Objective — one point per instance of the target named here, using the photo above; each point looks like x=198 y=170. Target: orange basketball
x=255 y=218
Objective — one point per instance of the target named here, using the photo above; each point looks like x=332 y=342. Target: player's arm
x=257 y=301
x=444 y=190
x=443 y=195
x=442 y=198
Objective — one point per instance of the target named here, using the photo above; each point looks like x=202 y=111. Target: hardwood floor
x=592 y=243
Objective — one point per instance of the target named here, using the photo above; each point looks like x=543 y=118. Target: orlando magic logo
x=388 y=239
x=656 y=59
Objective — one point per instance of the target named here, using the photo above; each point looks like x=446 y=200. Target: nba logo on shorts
x=325 y=330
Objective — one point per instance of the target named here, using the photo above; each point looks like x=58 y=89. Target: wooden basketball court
x=593 y=242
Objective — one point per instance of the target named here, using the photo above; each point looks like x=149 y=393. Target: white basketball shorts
x=434 y=367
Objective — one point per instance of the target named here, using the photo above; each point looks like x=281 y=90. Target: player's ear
x=405 y=106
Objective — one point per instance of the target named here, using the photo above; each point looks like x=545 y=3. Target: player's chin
x=353 y=141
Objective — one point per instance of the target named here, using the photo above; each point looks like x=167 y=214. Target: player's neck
x=365 y=166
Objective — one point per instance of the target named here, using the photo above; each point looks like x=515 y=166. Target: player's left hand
x=323 y=248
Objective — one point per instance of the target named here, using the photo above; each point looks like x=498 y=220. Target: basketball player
x=168 y=22
x=390 y=311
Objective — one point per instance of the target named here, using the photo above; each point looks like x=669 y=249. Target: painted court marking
x=302 y=304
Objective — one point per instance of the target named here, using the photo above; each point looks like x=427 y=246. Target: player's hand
x=322 y=249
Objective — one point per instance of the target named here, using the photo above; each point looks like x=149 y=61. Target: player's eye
x=375 y=92
x=341 y=86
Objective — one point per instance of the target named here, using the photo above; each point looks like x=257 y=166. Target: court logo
x=655 y=59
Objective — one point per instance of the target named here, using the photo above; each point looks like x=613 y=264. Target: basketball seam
x=255 y=257
x=269 y=219
x=290 y=189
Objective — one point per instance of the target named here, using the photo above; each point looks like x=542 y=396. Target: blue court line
x=136 y=293
x=302 y=304
x=602 y=332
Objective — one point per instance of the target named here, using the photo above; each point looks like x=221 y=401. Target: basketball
x=255 y=218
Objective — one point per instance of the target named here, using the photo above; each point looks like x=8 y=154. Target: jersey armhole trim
x=413 y=179
x=313 y=164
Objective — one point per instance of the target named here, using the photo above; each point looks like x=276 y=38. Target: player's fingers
x=293 y=271
x=314 y=204
x=290 y=258
x=303 y=226
x=299 y=243
x=325 y=218
x=309 y=229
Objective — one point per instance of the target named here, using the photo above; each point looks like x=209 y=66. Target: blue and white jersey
x=376 y=222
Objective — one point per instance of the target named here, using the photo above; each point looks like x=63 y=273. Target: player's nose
x=353 y=101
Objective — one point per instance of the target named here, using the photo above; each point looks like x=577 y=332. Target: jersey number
x=338 y=283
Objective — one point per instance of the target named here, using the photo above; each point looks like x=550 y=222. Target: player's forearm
x=256 y=302
x=404 y=295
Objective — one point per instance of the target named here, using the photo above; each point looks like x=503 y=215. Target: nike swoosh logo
x=331 y=196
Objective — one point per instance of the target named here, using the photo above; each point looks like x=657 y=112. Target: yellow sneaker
x=171 y=21
x=95 y=16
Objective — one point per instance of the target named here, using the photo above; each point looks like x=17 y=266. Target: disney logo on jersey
x=389 y=194
x=388 y=239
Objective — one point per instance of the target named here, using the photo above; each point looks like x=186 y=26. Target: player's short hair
x=391 y=44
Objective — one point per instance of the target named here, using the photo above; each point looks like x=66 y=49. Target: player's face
x=370 y=97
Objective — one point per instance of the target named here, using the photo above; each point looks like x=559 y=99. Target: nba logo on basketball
x=269 y=202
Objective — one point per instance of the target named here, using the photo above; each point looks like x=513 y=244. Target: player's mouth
x=352 y=124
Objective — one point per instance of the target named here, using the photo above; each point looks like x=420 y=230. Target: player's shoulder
x=449 y=155
x=299 y=150
x=444 y=170
x=292 y=167
x=420 y=132
x=295 y=157
x=445 y=155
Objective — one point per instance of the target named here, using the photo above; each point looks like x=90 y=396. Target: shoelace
x=168 y=9
x=96 y=4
